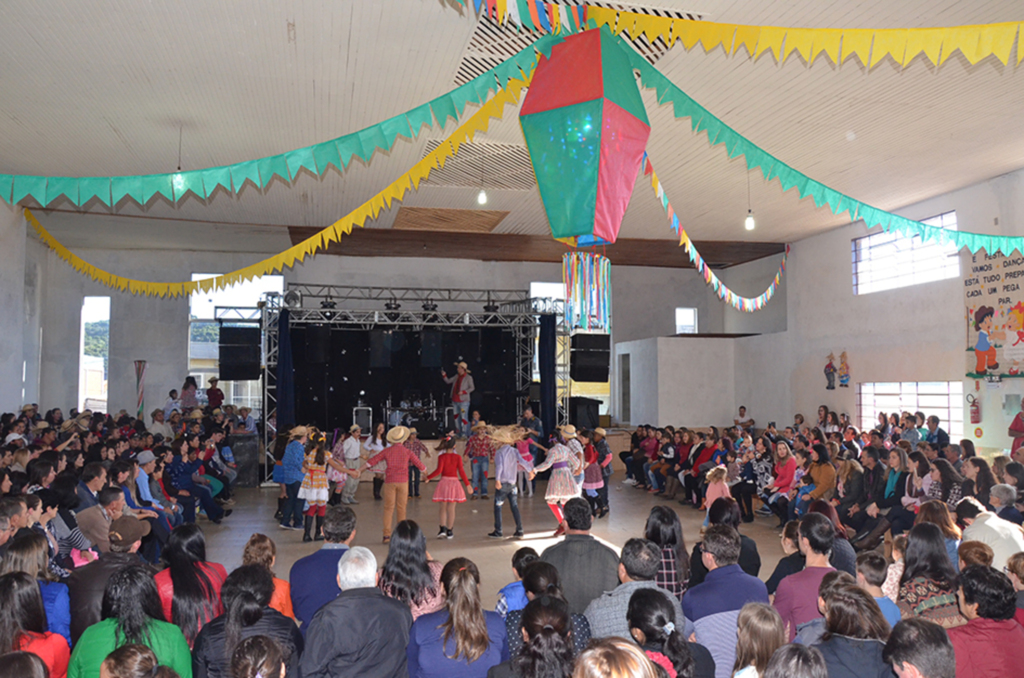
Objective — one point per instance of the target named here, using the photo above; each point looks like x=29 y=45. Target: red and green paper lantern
x=586 y=129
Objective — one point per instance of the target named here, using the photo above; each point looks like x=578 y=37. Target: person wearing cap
x=147 y=462
x=245 y=423
x=397 y=459
x=87 y=583
x=462 y=390
x=214 y=396
x=480 y=450
x=160 y=424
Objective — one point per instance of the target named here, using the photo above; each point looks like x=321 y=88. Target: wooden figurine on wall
x=844 y=371
x=830 y=372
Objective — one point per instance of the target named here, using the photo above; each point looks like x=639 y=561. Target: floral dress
x=314 y=484
x=564 y=464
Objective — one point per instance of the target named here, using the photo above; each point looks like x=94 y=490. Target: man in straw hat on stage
x=462 y=390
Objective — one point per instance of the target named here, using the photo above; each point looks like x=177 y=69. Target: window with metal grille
x=944 y=399
x=887 y=261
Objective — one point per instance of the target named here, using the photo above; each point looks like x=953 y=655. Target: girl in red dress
x=449 y=492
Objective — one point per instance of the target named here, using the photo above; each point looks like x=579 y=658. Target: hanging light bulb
x=748 y=223
x=481 y=197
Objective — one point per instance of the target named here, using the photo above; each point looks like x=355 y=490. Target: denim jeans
x=462 y=418
x=292 y=514
x=414 y=481
x=506 y=492
x=479 y=468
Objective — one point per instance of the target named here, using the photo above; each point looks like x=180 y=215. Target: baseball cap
x=145 y=457
x=127 y=530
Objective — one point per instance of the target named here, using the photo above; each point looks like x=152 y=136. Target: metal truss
x=346 y=293
x=237 y=314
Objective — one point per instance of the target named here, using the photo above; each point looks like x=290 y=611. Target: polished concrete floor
x=254 y=512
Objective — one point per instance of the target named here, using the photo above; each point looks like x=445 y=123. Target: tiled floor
x=255 y=509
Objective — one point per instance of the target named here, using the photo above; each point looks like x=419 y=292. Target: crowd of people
x=902 y=558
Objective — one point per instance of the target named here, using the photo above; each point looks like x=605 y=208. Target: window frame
x=680 y=329
x=913 y=396
x=884 y=261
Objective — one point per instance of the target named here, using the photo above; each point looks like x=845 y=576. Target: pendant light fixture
x=481 y=197
x=748 y=223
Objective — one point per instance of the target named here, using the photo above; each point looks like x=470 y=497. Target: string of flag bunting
x=740 y=303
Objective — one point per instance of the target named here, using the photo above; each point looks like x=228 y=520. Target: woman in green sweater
x=131 y=614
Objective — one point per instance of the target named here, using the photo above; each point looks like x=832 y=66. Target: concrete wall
x=643 y=380
x=696 y=387
x=12 y=308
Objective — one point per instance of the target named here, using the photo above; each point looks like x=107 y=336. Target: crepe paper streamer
x=588 y=287
x=869 y=45
x=140 y=387
x=316 y=159
x=718 y=133
x=586 y=128
x=745 y=304
x=479 y=121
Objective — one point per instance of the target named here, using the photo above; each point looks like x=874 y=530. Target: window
x=204 y=335
x=94 y=355
x=686 y=321
x=944 y=399
x=547 y=290
x=887 y=261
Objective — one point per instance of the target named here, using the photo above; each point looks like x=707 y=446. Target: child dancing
x=564 y=464
x=449 y=492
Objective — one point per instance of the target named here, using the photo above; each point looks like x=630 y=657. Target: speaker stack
x=590 y=358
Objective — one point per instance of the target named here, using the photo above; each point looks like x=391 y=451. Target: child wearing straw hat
x=564 y=464
x=449 y=492
x=397 y=459
x=507 y=462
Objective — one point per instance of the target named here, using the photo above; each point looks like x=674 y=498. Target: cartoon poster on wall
x=994 y=314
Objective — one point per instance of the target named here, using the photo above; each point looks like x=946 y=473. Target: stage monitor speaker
x=318 y=344
x=380 y=353
x=591 y=366
x=239 y=353
x=592 y=342
x=430 y=348
x=583 y=412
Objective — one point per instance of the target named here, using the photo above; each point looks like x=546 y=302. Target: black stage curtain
x=546 y=361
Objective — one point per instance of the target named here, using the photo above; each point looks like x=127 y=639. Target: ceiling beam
x=384 y=242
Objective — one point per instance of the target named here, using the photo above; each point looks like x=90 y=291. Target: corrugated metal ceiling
x=105 y=87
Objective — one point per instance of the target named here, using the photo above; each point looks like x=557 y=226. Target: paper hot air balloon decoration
x=586 y=129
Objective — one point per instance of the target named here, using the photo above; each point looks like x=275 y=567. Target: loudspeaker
x=318 y=343
x=583 y=412
x=239 y=353
x=430 y=349
x=591 y=342
x=589 y=366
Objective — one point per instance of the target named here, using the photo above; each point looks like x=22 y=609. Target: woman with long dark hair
x=979 y=480
x=131 y=615
x=855 y=634
x=246 y=596
x=541 y=579
x=23 y=623
x=928 y=585
x=653 y=625
x=664 y=529
x=28 y=554
x=893 y=491
x=409 y=574
x=190 y=586
x=462 y=640
x=548 y=651
x=947 y=483
x=936 y=513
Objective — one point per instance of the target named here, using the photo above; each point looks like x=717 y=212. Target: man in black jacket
x=361 y=632
x=87 y=583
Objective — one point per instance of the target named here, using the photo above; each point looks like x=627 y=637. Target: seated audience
x=790 y=563
x=797 y=596
x=796 y=661
x=1004 y=498
x=759 y=633
x=918 y=648
x=991 y=644
x=726 y=512
x=246 y=597
x=855 y=635
x=871 y=571
x=928 y=586
x=1015 y=571
x=974 y=553
x=655 y=627
x=22 y=665
x=462 y=640
x=257 y=657
x=94 y=522
x=23 y=623
x=638 y=566
x=615 y=658
x=809 y=633
x=1004 y=537
x=190 y=586
x=714 y=606
x=594 y=565
x=134 y=661
x=28 y=554
x=512 y=596
x=409 y=575
x=936 y=513
x=548 y=646
x=344 y=637
x=842 y=556
x=540 y=580
x=665 y=531
x=131 y=614
x=314 y=578
x=261 y=550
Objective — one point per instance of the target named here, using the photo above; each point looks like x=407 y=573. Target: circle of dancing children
x=564 y=464
x=508 y=461
x=318 y=467
x=449 y=491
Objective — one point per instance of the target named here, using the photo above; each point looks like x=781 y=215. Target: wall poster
x=994 y=315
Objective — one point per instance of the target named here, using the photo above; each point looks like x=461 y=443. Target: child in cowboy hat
x=397 y=459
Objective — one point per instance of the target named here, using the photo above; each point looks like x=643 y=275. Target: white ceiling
x=103 y=88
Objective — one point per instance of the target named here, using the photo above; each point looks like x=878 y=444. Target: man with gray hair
x=362 y=632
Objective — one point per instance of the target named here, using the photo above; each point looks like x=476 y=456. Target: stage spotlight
x=328 y=305
x=392 y=305
x=429 y=306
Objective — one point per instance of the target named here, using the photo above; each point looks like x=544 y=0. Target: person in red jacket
x=449 y=491
x=991 y=644
x=190 y=586
x=23 y=624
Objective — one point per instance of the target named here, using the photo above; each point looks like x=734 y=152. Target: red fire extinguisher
x=975 y=409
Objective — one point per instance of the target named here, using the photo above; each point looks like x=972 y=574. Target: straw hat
x=600 y=431
x=244 y=409
x=479 y=425
x=196 y=414
x=354 y=427
x=413 y=431
x=30 y=407
x=463 y=365
x=506 y=435
x=298 y=432
x=40 y=426
x=212 y=380
x=568 y=431
x=398 y=434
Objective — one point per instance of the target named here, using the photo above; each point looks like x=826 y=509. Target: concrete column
x=12 y=308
